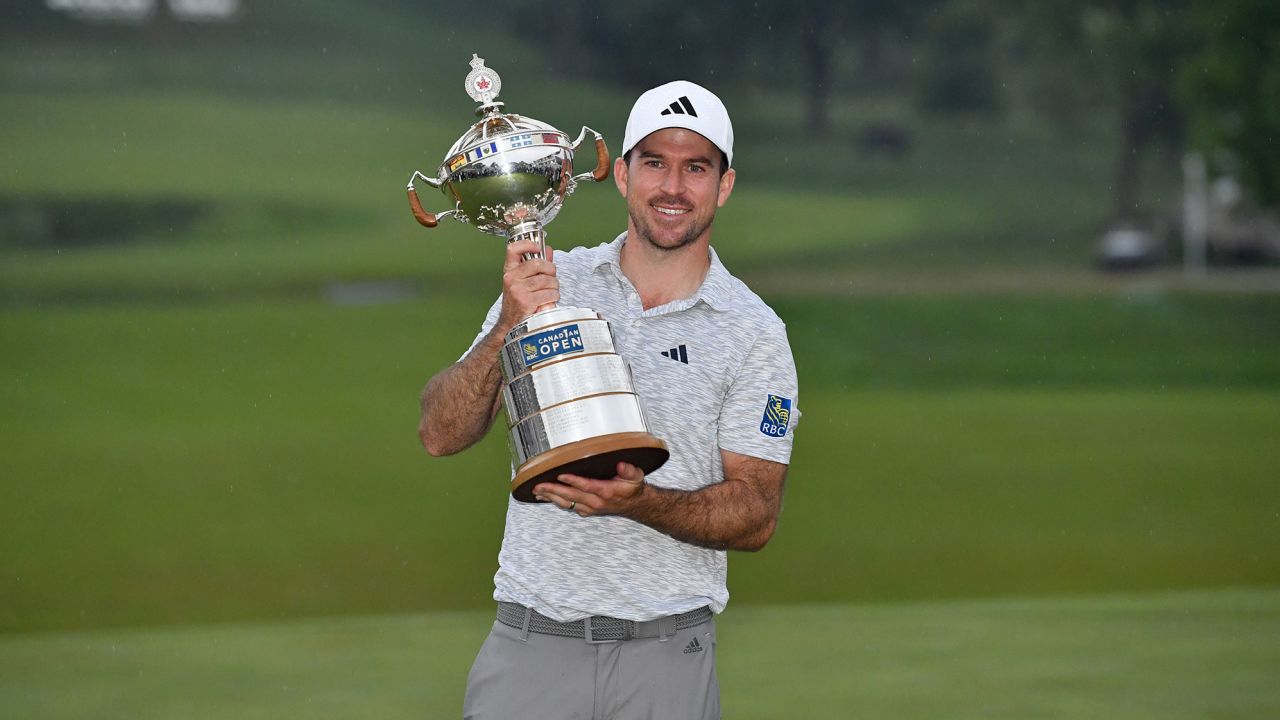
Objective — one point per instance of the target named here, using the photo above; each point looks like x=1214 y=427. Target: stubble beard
x=645 y=230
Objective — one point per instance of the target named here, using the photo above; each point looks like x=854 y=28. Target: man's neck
x=664 y=276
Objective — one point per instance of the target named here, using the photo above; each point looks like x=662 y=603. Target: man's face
x=673 y=186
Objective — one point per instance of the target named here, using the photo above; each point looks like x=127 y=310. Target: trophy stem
x=531 y=230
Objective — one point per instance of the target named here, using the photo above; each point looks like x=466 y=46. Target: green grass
x=221 y=461
x=1167 y=656
x=927 y=495
x=1133 y=657
x=1149 y=340
x=244 y=248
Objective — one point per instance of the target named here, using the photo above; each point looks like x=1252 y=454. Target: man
x=607 y=590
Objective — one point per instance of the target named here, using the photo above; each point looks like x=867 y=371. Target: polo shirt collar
x=715 y=291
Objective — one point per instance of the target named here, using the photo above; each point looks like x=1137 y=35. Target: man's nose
x=673 y=181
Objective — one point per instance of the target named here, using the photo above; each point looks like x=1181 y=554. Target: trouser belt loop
x=666 y=628
x=524 y=626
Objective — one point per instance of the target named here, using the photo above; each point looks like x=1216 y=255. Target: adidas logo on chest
x=679 y=353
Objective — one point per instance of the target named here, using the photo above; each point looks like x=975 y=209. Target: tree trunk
x=818 y=51
x=1134 y=134
x=163 y=30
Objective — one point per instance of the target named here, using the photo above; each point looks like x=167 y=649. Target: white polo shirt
x=714 y=372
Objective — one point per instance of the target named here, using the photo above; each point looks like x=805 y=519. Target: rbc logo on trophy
x=551 y=343
x=777 y=414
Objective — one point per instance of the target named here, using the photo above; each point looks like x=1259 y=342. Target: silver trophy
x=570 y=401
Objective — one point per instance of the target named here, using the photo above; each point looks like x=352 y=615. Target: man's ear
x=726 y=187
x=620 y=174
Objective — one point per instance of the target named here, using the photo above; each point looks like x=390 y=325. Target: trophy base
x=596 y=457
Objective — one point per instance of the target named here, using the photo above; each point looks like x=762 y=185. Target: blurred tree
x=1231 y=88
x=660 y=40
x=639 y=44
x=1133 y=48
x=958 y=65
x=1145 y=41
x=821 y=28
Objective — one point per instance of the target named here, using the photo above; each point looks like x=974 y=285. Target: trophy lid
x=496 y=126
x=482 y=85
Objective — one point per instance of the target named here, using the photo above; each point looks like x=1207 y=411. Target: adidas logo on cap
x=680 y=104
x=681 y=107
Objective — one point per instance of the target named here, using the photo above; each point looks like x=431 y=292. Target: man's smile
x=671 y=207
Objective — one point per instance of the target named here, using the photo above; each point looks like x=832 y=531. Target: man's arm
x=460 y=402
x=738 y=513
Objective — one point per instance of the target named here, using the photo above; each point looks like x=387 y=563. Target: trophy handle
x=424 y=218
x=601 y=173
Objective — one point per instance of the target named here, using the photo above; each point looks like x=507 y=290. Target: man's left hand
x=588 y=497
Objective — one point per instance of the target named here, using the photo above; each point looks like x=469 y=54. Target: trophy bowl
x=504 y=163
x=569 y=397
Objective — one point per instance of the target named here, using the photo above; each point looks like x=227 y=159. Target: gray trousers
x=545 y=677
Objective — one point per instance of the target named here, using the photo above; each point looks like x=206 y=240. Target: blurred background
x=1028 y=255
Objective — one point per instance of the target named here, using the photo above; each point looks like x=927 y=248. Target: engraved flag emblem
x=520 y=141
x=777 y=415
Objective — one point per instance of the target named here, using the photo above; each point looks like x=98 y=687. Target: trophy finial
x=483 y=84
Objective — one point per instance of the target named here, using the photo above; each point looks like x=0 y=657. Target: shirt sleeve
x=761 y=409
x=490 y=319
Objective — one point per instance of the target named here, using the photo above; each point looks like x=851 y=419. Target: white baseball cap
x=680 y=104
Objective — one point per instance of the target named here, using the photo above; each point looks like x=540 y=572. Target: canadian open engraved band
x=557 y=342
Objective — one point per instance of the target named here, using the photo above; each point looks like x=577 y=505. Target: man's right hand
x=527 y=285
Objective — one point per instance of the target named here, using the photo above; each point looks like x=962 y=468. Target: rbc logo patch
x=551 y=343
x=777 y=414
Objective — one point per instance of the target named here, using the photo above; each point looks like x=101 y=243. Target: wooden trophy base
x=596 y=457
